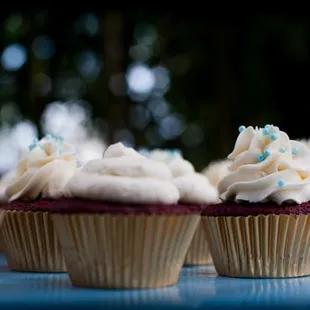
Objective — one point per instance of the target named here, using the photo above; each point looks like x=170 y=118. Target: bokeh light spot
x=162 y=79
x=14 y=57
x=140 y=79
x=88 y=23
x=88 y=65
x=139 y=116
x=14 y=22
x=172 y=126
x=43 y=47
x=158 y=107
x=192 y=136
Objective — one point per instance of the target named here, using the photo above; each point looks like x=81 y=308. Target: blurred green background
x=149 y=79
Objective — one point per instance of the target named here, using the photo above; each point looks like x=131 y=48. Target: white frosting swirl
x=180 y=167
x=124 y=176
x=4 y=182
x=43 y=171
x=267 y=166
x=194 y=188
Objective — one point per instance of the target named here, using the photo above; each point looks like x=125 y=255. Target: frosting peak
x=120 y=150
x=193 y=187
x=267 y=165
x=123 y=175
x=178 y=167
x=43 y=171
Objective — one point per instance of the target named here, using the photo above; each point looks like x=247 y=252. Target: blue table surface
x=198 y=288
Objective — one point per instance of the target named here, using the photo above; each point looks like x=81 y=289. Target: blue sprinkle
x=273 y=136
x=173 y=153
x=294 y=151
x=260 y=157
x=282 y=149
x=267 y=153
x=241 y=128
x=48 y=137
x=267 y=126
x=32 y=146
x=276 y=128
x=281 y=183
x=265 y=131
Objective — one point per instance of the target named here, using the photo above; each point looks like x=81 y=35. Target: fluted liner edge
x=273 y=246
x=198 y=252
x=125 y=251
x=31 y=243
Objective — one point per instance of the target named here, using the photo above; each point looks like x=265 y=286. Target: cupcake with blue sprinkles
x=31 y=245
x=261 y=229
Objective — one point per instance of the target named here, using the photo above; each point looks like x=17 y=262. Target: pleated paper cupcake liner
x=1 y=239
x=198 y=252
x=1 y=242
x=1 y=216
x=31 y=243
x=125 y=251
x=273 y=246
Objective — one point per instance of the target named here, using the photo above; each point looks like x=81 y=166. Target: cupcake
x=194 y=188
x=262 y=227
x=4 y=181
x=40 y=177
x=216 y=171
x=120 y=225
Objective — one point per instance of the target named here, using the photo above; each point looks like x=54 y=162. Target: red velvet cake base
x=234 y=209
x=93 y=206
x=42 y=205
